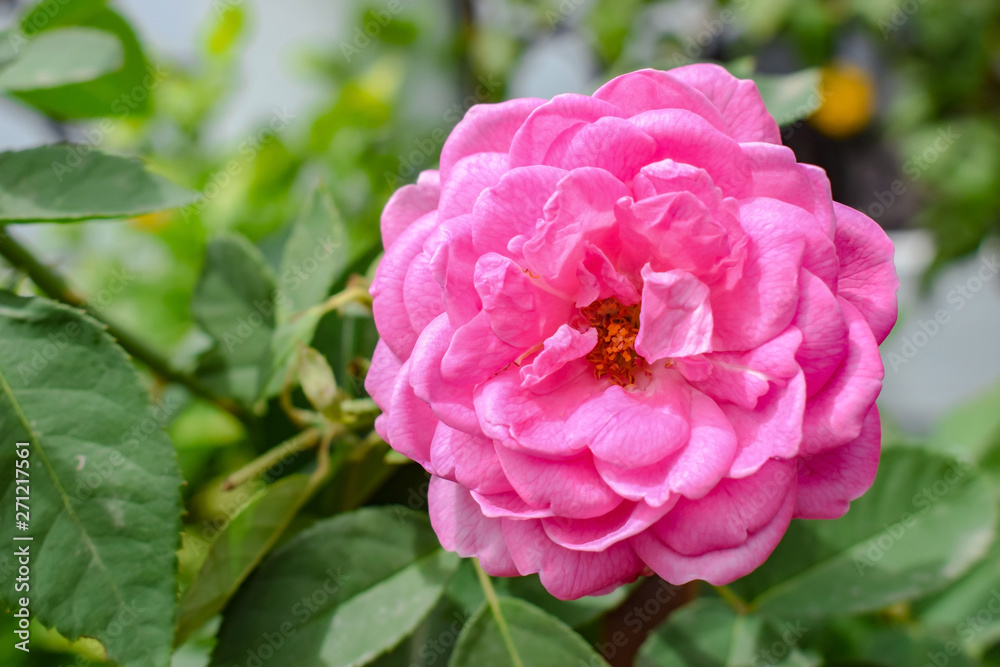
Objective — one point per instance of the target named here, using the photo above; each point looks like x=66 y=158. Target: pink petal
x=469 y=460
x=423 y=295
x=520 y=419
x=867 y=275
x=762 y=304
x=508 y=505
x=676 y=316
x=565 y=573
x=824 y=332
x=737 y=100
x=408 y=424
x=599 y=279
x=721 y=566
x=599 y=533
x=632 y=429
x=476 y=354
x=462 y=528
x=669 y=176
x=451 y=401
x=743 y=377
x=613 y=144
x=730 y=513
x=512 y=207
x=829 y=481
x=570 y=488
x=672 y=231
x=564 y=113
x=520 y=311
x=691 y=472
x=581 y=210
x=777 y=175
x=686 y=137
x=469 y=177
x=381 y=377
x=409 y=203
x=834 y=416
x=389 y=304
x=553 y=366
x=452 y=264
x=485 y=128
x=646 y=89
x=771 y=430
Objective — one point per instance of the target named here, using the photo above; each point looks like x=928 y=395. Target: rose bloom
x=628 y=332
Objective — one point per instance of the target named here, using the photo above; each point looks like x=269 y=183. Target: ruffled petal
x=738 y=100
x=485 y=128
x=867 y=274
x=462 y=528
x=773 y=429
x=408 y=204
x=829 y=481
x=676 y=316
x=565 y=573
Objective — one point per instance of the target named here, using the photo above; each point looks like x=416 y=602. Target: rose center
x=614 y=356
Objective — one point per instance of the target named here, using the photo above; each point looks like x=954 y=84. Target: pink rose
x=630 y=331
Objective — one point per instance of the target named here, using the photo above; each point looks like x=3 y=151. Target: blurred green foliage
x=390 y=85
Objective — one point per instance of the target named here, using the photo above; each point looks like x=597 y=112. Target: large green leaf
x=61 y=57
x=315 y=254
x=340 y=593
x=235 y=301
x=523 y=635
x=104 y=485
x=925 y=522
x=969 y=610
x=708 y=633
x=238 y=550
x=64 y=183
x=125 y=92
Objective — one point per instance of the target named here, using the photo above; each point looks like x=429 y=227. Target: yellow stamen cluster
x=614 y=356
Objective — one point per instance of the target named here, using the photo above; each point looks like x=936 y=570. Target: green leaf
x=235 y=302
x=238 y=550
x=705 y=633
x=316 y=253
x=970 y=608
x=64 y=183
x=280 y=356
x=104 y=486
x=971 y=432
x=709 y=633
x=790 y=97
x=340 y=593
x=922 y=525
x=61 y=57
x=537 y=638
x=125 y=92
